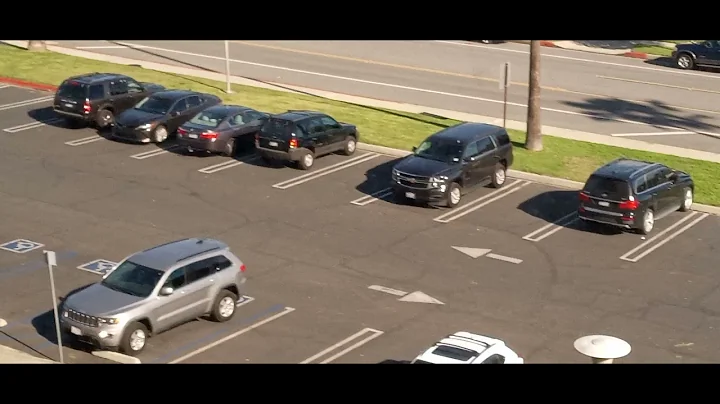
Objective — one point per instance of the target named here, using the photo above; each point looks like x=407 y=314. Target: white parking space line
x=552 y=228
x=24 y=103
x=375 y=196
x=85 y=140
x=153 y=153
x=325 y=171
x=198 y=351
x=245 y=300
x=32 y=125
x=681 y=132
x=227 y=164
x=116 y=357
x=646 y=247
x=481 y=202
x=504 y=258
x=373 y=334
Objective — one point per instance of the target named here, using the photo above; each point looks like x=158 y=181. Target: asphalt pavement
x=338 y=273
x=602 y=94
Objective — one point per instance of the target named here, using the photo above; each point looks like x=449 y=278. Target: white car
x=467 y=348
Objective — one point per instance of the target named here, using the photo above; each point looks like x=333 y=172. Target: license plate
x=75 y=330
x=601 y=203
x=192 y=136
x=273 y=144
x=410 y=195
x=68 y=105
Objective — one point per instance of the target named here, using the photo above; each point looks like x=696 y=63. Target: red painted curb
x=28 y=84
x=635 y=55
x=548 y=44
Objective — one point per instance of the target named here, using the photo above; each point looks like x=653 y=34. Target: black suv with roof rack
x=452 y=162
x=633 y=194
x=302 y=136
x=96 y=98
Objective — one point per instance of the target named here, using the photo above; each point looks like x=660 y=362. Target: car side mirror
x=166 y=291
x=414 y=149
x=175 y=113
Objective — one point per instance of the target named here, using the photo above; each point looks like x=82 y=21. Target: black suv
x=452 y=161
x=633 y=194
x=302 y=136
x=691 y=55
x=95 y=98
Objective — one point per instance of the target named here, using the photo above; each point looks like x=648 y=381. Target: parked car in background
x=220 y=129
x=302 y=136
x=158 y=116
x=154 y=290
x=633 y=194
x=96 y=98
x=692 y=55
x=452 y=162
x=467 y=348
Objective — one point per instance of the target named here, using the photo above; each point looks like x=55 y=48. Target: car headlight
x=110 y=321
x=147 y=126
x=438 y=181
x=394 y=173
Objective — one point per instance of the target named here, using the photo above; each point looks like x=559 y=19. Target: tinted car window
x=194 y=101
x=72 y=89
x=118 y=87
x=494 y=360
x=656 y=178
x=641 y=185
x=612 y=188
x=176 y=279
x=154 y=105
x=134 y=87
x=209 y=118
x=471 y=150
x=278 y=127
x=314 y=125
x=199 y=270
x=132 y=279
x=502 y=139
x=97 y=92
x=329 y=122
x=485 y=145
x=180 y=106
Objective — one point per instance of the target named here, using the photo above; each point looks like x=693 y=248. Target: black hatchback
x=220 y=129
x=633 y=194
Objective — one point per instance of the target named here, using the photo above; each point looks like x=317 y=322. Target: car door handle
x=497 y=157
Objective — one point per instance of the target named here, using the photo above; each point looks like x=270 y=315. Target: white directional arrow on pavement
x=419 y=297
x=472 y=252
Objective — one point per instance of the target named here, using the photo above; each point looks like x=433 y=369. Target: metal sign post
x=227 y=67
x=52 y=262
x=504 y=84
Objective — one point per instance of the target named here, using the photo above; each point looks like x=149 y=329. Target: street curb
x=28 y=84
x=521 y=175
x=630 y=54
x=636 y=55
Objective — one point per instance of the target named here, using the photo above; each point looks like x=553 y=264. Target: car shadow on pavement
x=558 y=207
x=377 y=184
x=670 y=62
x=47 y=116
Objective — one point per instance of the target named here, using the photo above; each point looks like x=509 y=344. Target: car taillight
x=630 y=204
x=86 y=106
x=242 y=268
x=209 y=135
x=293 y=143
x=583 y=197
x=182 y=131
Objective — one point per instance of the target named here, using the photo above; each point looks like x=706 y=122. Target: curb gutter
x=521 y=175
x=552 y=44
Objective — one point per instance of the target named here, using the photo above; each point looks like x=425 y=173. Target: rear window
x=459 y=354
x=279 y=127
x=210 y=118
x=72 y=89
x=502 y=139
x=97 y=92
x=605 y=187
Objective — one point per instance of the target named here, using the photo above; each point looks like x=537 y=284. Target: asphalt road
x=582 y=91
x=313 y=254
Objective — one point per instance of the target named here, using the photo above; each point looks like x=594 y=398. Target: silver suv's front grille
x=412 y=181
x=82 y=318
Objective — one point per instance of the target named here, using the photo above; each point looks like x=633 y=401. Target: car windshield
x=133 y=279
x=447 y=151
x=210 y=118
x=154 y=105
x=72 y=89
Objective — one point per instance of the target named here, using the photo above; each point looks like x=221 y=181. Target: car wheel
x=350 y=145
x=648 y=222
x=687 y=200
x=160 y=134
x=499 y=175
x=454 y=193
x=229 y=150
x=224 y=307
x=104 y=118
x=685 y=62
x=306 y=161
x=134 y=339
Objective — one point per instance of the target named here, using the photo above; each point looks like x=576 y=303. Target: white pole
x=51 y=261
x=227 y=67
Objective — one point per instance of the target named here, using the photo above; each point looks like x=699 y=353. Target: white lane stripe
x=472 y=203
x=227 y=164
x=665 y=240
x=325 y=171
x=476 y=207
x=85 y=140
x=683 y=132
x=25 y=103
x=504 y=258
x=376 y=333
x=153 y=153
x=551 y=228
x=198 y=351
x=384 y=289
x=109 y=47
x=375 y=196
x=32 y=125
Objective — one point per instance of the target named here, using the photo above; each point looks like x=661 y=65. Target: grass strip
x=562 y=158
x=654 y=50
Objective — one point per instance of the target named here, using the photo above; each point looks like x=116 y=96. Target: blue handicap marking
x=100 y=267
x=21 y=246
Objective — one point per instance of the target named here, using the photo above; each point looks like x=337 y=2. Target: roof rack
x=199 y=252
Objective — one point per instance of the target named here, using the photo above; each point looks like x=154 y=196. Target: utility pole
x=533 y=141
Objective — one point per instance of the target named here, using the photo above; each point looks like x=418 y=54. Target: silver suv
x=154 y=290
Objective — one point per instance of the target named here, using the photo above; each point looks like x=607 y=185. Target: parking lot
x=338 y=272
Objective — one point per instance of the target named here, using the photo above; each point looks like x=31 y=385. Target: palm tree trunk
x=533 y=141
x=37 y=46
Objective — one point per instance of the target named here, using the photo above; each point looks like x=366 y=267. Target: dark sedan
x=220 y=129
x=158 y=116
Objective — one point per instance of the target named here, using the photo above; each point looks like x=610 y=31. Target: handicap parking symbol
x=100 y=267
x=21 y=246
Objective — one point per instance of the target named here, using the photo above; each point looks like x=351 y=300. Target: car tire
x=350 y=146
x=687 y=200
x=159 y=134
x=224 y=306
x=229 y=150
x=104 y=118
x=499 y=176
x=306 y=161
x=685 y=61
x=134 y=339
x=648 y=222
x=453 y=196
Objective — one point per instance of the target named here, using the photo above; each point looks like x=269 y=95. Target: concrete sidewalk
x=10 y=355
